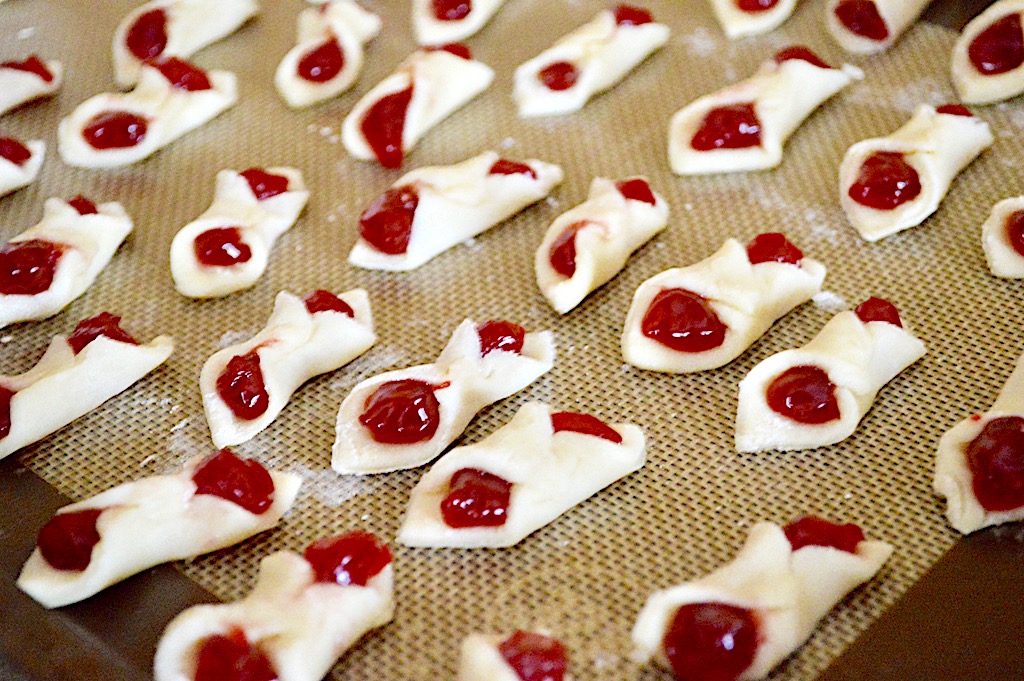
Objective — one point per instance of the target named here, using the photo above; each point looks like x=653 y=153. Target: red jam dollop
x=264 y=185
x=1015 y=231
x=67 y=540
x=506 y=167
x=559 y=76
x=14 y=151
x=861 y=17
x=325 y=301
x=562 y=253
x=885 y=181
x=232 y=658
x=500 y=335
x=584 y=424
x=729 y=127
x=878 y=310
x=636 y=189
x=6 y=395
x=183 y=75
x=955 y=110
x=999 y=48
x=33 y=65
x=803 y=54
x=534 y=657
x=996 y=461
x=458 y=49
x=626 y=15
x=402 y=412
x=241 y=481
x=147 y=37
x=683 y=321
x=83 y=205
x=476 y=498
x=804 y=394
x=27 y=267
x=115 y=130
x=451 y=10
x=711 y=642
x=387 y=223
x=815 y=531
x=773 y=247
x=242 y=388
x=353 y=558
x=103 y=324
x=322 y=63
x=756 y=5
x=383 y=124
x=221 y=247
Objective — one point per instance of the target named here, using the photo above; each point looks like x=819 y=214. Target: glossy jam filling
x=232 y=658
x=803 y=54
x=14 y=151
x=534 y=657
x=773 y=247
x=683 y=321
x=183 y=75
x=83 y=205
x=626 y=15
x=458 y=49
x=323 y=63
x=402 y=412
x=451 y=10
x=242 y=388
x=501 y=335
x=878 y=310
x=506 y=167
x=804 y=394
x=27 y=267
x=562 y=253
x=999 y=48
x=636 y=189
x=756 y=5
x=387 y=223
x=383 y=124
x=325 y=301
x=67 y=540
x=33 y=65
x=711 y=642
x=221 y=247
x=353 y=558
x=955 y=110
x=996 y=461
x=103 y=324
x=6 y=395
x=729 y=127
x=585 y=424
x=147 y=37
x=558 y=76
x=815 y=531
x=885 y=181
x=241 y=481
x=861 y=18
x=115 y=130
x=476 y=498
x=1015 y=231
x=264 y=185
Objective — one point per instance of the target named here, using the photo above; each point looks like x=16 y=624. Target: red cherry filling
x=999 y=48
x=221 y=247
x=562 y=253
x=67 y=540
x=728 y=127
x=83 y=205
x=323 y=63
x=1015 y=231
x=803 y=54
x=33 y=65
x=955 y=110
x=232 y=658
x=6 y=395
x=27 y=267
x=683 y=321
x=885 y=181
x=632 y=16
x=559 y=76
x=383 y=124
x=264 y=185
x=387 y=223
x=756 y=5
x=103 y=324
x=636 y=189
x=878 y=310
x=711 y=642
x=476 y=499
x=183 y=75
x=500 y=335
x=241 y=481
x=115 y=130
x=14 y=151
x=242 y=387
x=861 y=17
x=451 y=10
x=585 y=424
x=458 y=49
x=996 y=461
x=402 y=412
x=815 y=531
x=804 y=394
x=325 y=301
x=505 y=167
x=353 y=558
x=773 y=247
x=534 y=657
x=147 y=37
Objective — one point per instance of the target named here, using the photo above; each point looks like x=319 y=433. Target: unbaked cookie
x=742 y=18
x=1002 y=238
x=437 y=22
x=529 y=655
x=25 y=81
x=869 y=26
x=988 y=59
x=19 y=163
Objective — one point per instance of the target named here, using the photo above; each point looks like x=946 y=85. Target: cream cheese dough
x=742 y=18
x=19 y=163
x=869 y=26
x=429 y=210
x=487 y=657
x=1002 y=238
x=247 y=385
x=988 y=58
x=227 y=248
x=586 y=62
x=405 y=418
x=25 y=81
x=543 y=462
x=135 y=526
x=892 y=183
x=744 y=126
x=436 y=22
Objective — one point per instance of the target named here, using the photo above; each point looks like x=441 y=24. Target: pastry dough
x=293 y=347
x=973 y=86
x=481 y=659
x=430 y=30
x=936 y=145
x=259 y=224
x=465 y=382
x=608 y=228
x=169 y=112
x=781 y=97
x=151 y=521
x=22 y=84
x=602 y=53
x=440 y=83
x=898 y=16
x=188 y=26
x=746 y=298
x=342 y=23
x=788 y=591
x=86 y=244
x=455 y=203
x=14 y=175
x=858 y=357
x=1003 y=258
x=549 y=472
x=739 y=23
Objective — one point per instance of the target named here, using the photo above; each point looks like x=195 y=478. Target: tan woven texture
x=585 y=576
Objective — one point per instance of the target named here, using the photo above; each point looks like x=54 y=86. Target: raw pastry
x=210 y=504
x=427 y=87
x=19 y=163
x=1002 y=237
x=521 y=655
x=889 y=184
x=302 y=615
x=741 y=18
x=436 y=22
x=868 y=26
x=405 y=418
x=329 y=54
x=816 y=395
x=173 y=28
x=172 y=98
x=588 y=245
x=706 y=315
x=25 y=81
x=745 y=126
x=431 y=209
x=74 y=376
x=246 y=386
x=744 y=618
x=988 y=57
x=51 y=264
x=980 y=462
x=226 y=249
x=518 y=479
x=588 y=61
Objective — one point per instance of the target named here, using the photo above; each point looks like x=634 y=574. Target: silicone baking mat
x=585 y=576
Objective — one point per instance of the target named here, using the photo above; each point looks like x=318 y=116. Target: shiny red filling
x=232 y=658
x=83 y=205
x=999 y=48
x=756 y=5
x=221 y=247
x=103 y=324
x=353 y=558
x=67 y=540
x=585 y=424
x=458 y=49
x=803 y=54
x=683 y=321
x=264 y=185
x=6 y=395
x=878 y=310
x=626 y=15
x=33 y=65
x=115 y=130
x=773 y=247
x=505 y=167
x=861 y=17
x=996 y=461
x=815 y=531
x=387 y=223
x=147 y=37
x=241 y=387
x=501 y=335
x=562 y=253
x=636 y=189
x=534 y=657
x=1015 y=231
x=885 y=181
x=383 y=124
x=451 y=10
x=183 y=75
x=325 y=301
x=241 y=481
x=804 y=394
x=711 y=642
x=476 y=498
x=27 y=267
x=14 y=151
x=323 y=63
x=402 y=412
x=728 y=127
x=559 y=76
x=955 y=110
